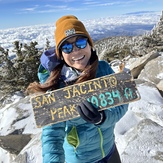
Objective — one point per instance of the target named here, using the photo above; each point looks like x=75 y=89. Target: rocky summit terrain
x=17 y=73
x=141 y=55
x=135 y=46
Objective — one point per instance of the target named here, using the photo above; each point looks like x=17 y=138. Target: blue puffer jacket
x=76 y=141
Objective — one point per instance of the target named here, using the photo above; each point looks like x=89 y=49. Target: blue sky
x=18 y=13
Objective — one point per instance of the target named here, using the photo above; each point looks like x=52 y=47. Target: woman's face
x=77 y=58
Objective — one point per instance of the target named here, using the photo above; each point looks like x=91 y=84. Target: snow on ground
x=142 y=143
x=136 y=142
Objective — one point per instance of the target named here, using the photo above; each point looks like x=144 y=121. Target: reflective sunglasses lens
x=81 y=43
x=67 y=48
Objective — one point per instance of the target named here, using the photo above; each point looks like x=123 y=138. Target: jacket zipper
x=101 y=142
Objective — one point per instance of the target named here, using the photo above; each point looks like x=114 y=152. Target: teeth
x=76 y=59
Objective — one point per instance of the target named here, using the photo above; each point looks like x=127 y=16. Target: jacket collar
x=69 y=74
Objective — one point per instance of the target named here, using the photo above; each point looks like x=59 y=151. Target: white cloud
x=98 y=28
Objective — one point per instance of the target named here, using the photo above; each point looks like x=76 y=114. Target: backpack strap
x=48 y=61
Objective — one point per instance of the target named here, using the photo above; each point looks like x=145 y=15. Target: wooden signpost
x=104 y=92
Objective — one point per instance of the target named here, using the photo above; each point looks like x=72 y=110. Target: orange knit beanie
x=69 y=26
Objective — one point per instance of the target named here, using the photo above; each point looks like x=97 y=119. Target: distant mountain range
x=124 y=25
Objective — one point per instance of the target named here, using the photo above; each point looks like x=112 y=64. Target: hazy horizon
x=20 y=13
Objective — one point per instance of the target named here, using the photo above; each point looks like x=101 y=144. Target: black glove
x=90 y=114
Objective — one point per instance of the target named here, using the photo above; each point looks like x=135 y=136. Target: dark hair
x=52 y=83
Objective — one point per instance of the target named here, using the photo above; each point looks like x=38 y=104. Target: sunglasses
x=80 y=43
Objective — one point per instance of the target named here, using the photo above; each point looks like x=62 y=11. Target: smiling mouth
x=78 y=59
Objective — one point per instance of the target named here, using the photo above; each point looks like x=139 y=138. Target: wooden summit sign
x=104 y=92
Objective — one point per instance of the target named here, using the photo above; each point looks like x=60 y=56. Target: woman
x=89 y=138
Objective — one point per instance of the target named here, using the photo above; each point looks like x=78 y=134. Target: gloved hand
x=90 y=114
